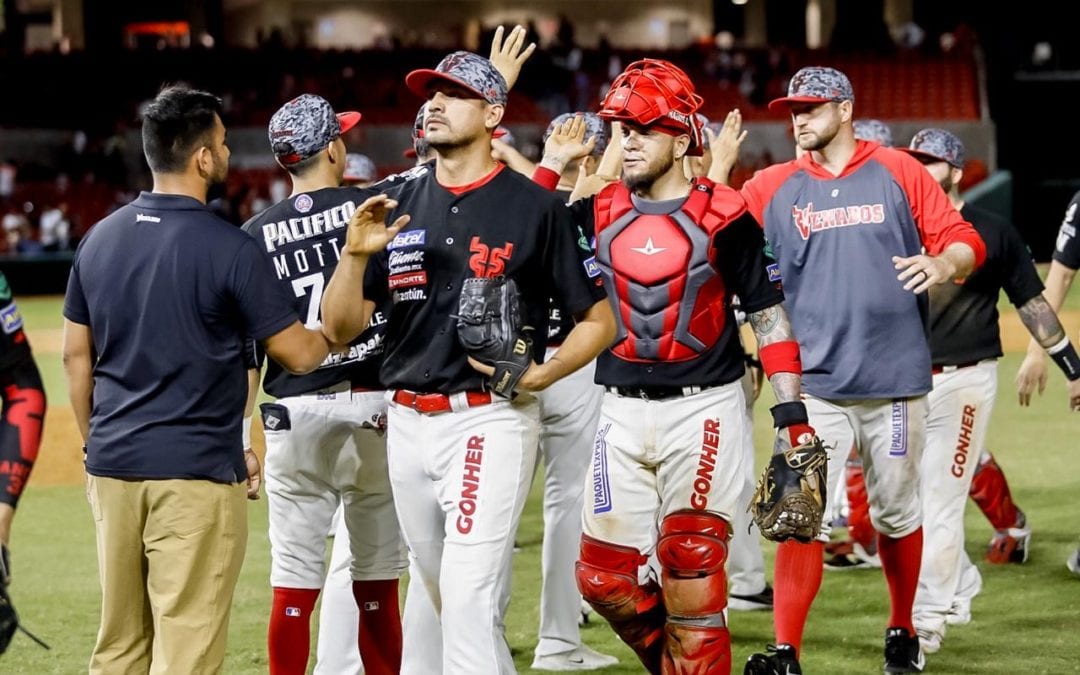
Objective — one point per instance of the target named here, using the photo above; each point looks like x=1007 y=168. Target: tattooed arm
x=1041 y=321
x=771 y=326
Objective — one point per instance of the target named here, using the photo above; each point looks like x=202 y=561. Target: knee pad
x=692 y=551
x=607 y=576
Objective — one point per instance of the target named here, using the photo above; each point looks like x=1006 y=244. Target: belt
x=656 y=393
x=339 y=393
x=937 y=370
x=433 y=404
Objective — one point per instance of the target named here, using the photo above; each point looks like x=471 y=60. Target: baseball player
x=359 y=170
x=873 y=130
x=1032 y=373
x=965 y=345
x=569 y=410
x=461 y=456
x=324 y=440
x=668 y=453
x=20 y=434
x=855 y=206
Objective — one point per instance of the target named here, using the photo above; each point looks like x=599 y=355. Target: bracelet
x=1064 y=355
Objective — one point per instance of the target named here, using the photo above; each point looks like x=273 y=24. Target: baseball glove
x=790 y=498
x=490 y=328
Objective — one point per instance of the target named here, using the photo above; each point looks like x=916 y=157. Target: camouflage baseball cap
x=594 y=126
x=939 y=145
x=816 y=84
x=466 y=69
x=306 y=125
x=874 y=130
x=359 y=167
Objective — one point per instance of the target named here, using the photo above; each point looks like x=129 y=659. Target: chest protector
x=658 y=269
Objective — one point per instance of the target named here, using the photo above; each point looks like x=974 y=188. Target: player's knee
x=607 y=576
x=692 y=550
x=897 y=520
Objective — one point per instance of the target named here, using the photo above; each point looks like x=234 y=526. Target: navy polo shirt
x=169 y=290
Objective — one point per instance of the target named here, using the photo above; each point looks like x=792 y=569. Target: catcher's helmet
x=656 y=92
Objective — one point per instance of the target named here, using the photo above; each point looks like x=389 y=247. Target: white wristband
x=245 y=430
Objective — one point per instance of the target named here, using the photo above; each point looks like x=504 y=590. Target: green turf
x=1027 y=619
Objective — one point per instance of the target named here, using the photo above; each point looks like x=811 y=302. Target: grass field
x=1027 y=619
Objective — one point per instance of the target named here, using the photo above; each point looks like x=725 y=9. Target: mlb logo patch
x=292 y=611
x=774 y=272
x=407 y=239
x=371 y=606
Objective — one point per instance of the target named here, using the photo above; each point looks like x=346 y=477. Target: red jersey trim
x=458 y=190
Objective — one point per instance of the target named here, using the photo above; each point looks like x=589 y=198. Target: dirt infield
x=60 y=461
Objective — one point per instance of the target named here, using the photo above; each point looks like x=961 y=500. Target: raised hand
x=508 y=56
x=567 y=144
x=725 y=147
x=368 y=233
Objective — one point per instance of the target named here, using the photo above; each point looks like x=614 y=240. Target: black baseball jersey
x=14 y=347
x=303 y=236
x=745 y=268
x=964 y=317
x=560 y=321
x=1067 y=248
x=502 y=225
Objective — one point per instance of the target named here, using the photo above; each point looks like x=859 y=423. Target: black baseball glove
x=790 y=498
x=491 y=328
x=9 y=620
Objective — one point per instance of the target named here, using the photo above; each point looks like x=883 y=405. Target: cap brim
x=348 y=120
x=418 y=82
x=778 y=103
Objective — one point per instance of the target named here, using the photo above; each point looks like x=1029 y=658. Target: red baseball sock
x=289 y=638
x=797 y=578
x=900 y=560
x=990 y=490
x=380 y=626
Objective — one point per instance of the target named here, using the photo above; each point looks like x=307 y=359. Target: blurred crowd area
x=47 y=203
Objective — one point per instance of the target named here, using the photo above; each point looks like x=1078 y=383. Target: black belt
x=657 y=393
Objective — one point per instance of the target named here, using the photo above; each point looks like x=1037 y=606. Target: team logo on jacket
x=303 y=203
x=489 y=262
x=808 y=220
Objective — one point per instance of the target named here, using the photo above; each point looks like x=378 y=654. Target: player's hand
x=368 y=233
x=534 y=379
x=567 y=144
x=920 y=272
x=1031 y=375
x=1074 y=394
x=509 y=55
x=608 y=171
x=757 y=378
x=254 y=469
x=725 y=147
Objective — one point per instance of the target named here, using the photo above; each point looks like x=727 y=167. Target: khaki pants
x=169 y=554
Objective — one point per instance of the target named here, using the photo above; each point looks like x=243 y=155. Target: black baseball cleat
x=902 y=652
x=753 y=602
x=779 y=660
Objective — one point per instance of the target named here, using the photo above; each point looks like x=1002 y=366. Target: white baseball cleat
x=582 y=658
x=959 y=613
x=929 y=640
x=1073 y=563
x=586 y=610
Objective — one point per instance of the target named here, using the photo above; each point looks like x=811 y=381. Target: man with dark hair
x=160 y=296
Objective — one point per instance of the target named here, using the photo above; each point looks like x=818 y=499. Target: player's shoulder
x=770 y=178
x=398 y=184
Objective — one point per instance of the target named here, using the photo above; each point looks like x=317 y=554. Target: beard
x=947 y=183
x=649 y=174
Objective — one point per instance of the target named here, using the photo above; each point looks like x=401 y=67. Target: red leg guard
x=692 y=550
x=607 y=576
x=990 y=491
x=860 y=529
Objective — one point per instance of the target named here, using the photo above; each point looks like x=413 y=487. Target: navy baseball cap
x=816 y=84
x=937 y=145
x=304 y=126
x=359 y=167
x=594 y=126
x=465 y=69
x=874 y=130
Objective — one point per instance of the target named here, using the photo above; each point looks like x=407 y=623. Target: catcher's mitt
x=490 y=328
x=790 y=498
x=9 y=620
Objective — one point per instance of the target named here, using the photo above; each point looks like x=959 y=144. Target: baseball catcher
x=790 y=496
x=489 y=326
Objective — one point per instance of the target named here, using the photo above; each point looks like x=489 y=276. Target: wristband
x=781 y=357
x=786 y=414
x=1064 y=355
x=245 y=431
x=546 y=178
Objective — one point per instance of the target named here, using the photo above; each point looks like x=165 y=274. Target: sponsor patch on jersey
x=774 y=272
x=143 y=218
x=11 y=318
x=591 y=267
x=601 y=484
x=303 y=203
x=898 y=432
x=408 y=280
x=407 y=239
x=411 y=294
